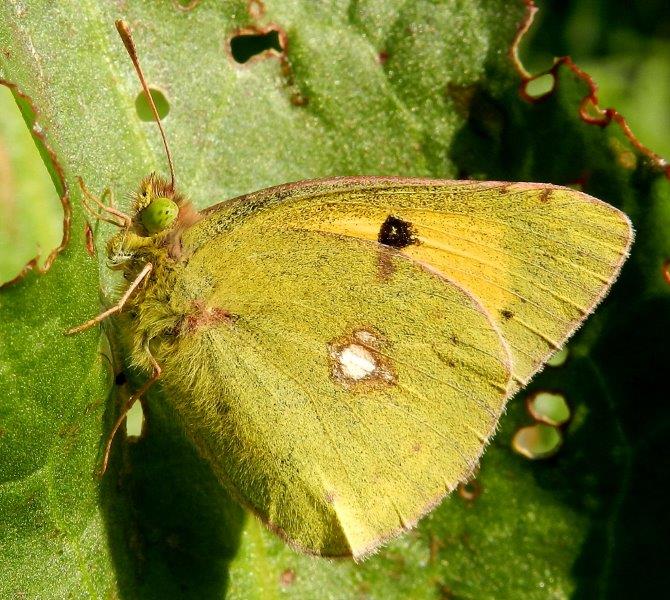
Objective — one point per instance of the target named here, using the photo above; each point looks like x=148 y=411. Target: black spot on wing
x=397 y=233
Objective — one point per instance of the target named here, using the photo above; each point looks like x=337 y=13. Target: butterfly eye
x=159 y=215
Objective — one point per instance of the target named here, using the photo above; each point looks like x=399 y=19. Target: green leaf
x=32 y=217
x=372 y=87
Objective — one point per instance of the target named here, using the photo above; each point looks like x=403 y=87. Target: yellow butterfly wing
x=337 y=387
x=538 y=257
x=340 y=387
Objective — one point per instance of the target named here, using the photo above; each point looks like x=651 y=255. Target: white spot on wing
x=356 y=362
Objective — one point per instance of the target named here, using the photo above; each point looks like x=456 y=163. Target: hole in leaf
x=32 y=214
x=540 y=86
x=244 y=46
x=470 y=490
x=550 y=408
x=144 y=109
x=592 y=113
x=537 y=441
x=559 y=357
x=135 y=420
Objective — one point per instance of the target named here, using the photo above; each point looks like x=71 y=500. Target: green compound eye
x=159 y=215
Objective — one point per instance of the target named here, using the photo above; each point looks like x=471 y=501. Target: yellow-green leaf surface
x=369 y=87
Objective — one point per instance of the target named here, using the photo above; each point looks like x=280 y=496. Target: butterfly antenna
x=124 y=32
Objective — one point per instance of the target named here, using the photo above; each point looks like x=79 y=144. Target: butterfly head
x=156 y=205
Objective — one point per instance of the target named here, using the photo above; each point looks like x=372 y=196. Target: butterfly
x=340 y=350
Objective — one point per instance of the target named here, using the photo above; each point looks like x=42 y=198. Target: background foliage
x=371 y=87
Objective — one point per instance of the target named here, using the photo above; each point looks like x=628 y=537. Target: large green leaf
x=371 y=87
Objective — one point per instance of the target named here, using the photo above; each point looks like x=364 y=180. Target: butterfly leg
x=118 y=307
x=138 y=395
x=120 y=219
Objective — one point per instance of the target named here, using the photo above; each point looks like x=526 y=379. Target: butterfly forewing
x=538 y=257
